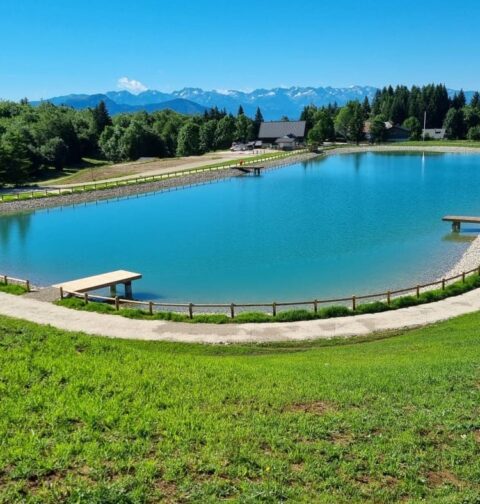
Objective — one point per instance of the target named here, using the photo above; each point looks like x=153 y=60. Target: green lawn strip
x=94 y=420
x=439 y=143
x=15 y=289
x=455 y=289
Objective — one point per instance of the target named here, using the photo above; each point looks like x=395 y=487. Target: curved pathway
x=114 y=326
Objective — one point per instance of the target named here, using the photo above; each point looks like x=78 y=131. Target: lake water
x=343 y=225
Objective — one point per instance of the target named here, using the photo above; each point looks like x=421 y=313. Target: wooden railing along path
x=232 y=308
x=15 y=281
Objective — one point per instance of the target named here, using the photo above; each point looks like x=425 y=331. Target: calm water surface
x=346 y=224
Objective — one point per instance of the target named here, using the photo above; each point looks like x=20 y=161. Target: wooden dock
x=250 y=169
x=111 y=279
x=457 y=220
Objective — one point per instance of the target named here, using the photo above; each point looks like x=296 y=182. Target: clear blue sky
x=54 y=47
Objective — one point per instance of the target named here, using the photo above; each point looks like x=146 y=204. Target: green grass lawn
x=17 y=290
x=440 y=143
x=93 y=420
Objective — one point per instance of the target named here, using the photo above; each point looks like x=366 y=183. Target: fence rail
x=101 y=186
x=5 y=279
x=233 y=308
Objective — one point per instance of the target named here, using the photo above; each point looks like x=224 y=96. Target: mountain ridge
x=274 y=102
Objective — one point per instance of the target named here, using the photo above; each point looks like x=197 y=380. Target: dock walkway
x=457 y=220
x=96 y=282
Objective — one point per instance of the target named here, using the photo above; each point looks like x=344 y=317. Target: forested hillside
x=33 y=139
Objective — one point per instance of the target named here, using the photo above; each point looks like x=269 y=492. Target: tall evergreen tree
x=257 y=122
x=240 y=111
x=101 y=117
x=475 y=103
x=366 y=107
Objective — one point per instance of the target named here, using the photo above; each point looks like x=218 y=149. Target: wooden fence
x=15 y=281
x=274 y=307
x=101 y=186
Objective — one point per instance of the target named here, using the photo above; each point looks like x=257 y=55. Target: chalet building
x=394 y=133
x=283 y=134
x=434 y=133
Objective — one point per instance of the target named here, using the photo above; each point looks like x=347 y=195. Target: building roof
x=278 y=129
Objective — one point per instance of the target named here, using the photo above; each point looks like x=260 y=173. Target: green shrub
x=170 y=316
x=294 y=315
x=430 y=296
x=17 y=290
x=375 y=307
x=210 y=318
x=404 y=302
x=334 y=311
x=134 y=313
x=257 y=317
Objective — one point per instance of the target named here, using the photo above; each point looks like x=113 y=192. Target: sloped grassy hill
x=86 y=419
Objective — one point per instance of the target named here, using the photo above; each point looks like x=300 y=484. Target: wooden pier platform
x=457 y=220
x=111 y=279
x=250 y=169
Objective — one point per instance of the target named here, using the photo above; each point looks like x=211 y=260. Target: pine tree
x=366 y=107
x=475 y=103
x=101 y=117
x=240 y=111
x=257 y=122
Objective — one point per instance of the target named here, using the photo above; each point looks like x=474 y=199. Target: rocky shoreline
x=469 y=260
x=178 y=182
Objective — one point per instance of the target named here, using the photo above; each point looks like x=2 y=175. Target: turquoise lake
x=342 y=225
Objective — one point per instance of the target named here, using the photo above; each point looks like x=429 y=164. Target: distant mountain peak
x=274 y=103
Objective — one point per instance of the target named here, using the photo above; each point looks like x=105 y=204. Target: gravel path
x=113 y=326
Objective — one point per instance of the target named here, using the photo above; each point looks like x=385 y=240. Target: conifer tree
x=101 y=117
x=256 y=122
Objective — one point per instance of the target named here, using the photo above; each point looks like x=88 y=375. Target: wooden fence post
x=61 y=292
x=443 y=283
x=232 y=310
x=85 y=298
x=389 y=298
x=28 y=285
x=315 y=306
x=190 y=310
x=150 y=307
x=5 y=279
x=117 y=303
x=354 y=303
x=418 y=291
x=274 y=309
x=463 y=277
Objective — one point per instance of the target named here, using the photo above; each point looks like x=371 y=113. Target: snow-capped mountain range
x=274 y=103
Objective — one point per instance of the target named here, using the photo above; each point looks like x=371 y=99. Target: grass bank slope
x=86 y=419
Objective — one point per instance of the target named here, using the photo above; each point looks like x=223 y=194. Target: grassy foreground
x=17 y=290
x=92 y=420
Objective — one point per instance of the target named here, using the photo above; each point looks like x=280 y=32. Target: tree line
x=35 y=138
x=401 y=106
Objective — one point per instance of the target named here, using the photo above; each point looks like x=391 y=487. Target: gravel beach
x=130 y=190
